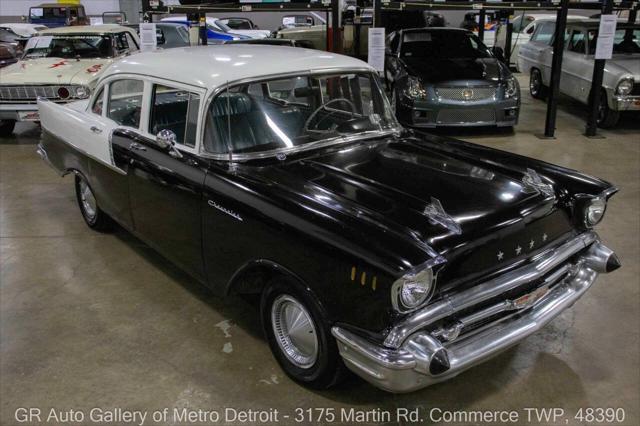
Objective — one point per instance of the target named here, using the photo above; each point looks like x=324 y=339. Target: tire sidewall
x=91 y=222
x=322 y=373
x=535 y=76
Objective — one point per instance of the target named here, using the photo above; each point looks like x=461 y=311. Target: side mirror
x=166 y=140
x=160 y=39
x=498 y=53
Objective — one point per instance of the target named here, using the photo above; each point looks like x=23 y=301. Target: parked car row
x=402 y=256
x=621 y=81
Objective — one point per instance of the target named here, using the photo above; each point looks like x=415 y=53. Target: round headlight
x=413 y=290
x=82 y=92
x=594 y=212
x=624 y=87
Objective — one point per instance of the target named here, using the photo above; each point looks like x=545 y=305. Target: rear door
x=574 y=64
x=166 y=184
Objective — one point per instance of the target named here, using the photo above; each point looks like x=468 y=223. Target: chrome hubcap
x=534 y=83
x=88 y=200
x=294 y=331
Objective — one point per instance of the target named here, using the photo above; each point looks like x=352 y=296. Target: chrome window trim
x=273 y=153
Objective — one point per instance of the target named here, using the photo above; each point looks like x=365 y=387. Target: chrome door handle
x=137 y=146
x=95 y=129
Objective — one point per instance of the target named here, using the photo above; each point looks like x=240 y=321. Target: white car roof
x=22 y=28
x=213 y=66
x=87 y=29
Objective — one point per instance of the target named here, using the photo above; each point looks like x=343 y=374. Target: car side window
x=98 y=103
x=577 y=42
x=544 y=33
x=125 y=102
x=131 y=42
x=121 y=43
x=176 y=110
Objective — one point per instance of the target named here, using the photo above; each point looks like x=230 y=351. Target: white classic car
x=61 y=64
x=621 y=82
x=523 y=27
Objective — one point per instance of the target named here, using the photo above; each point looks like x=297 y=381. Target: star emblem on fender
x=518 y=250
x=544 y=237
x=531 y=244
x=500 y=255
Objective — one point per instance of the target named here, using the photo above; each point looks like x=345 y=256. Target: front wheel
x=299 y=336
x=91 y=212
x=536 y=87
x=6 y=127
x=607 y=117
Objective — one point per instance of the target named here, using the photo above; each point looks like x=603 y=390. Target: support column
x=596 y=83
x=556 y=70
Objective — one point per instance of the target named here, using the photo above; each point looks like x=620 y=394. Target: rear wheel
x=607 y=117
x=91 y=212
x=299 y=336
x=6 y=127
x=536 y=87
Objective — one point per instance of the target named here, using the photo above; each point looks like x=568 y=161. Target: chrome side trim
x=539 y=266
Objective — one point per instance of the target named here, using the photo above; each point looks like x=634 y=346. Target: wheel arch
x=252 y=277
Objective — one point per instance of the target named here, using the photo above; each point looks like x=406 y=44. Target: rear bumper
x=412 y=358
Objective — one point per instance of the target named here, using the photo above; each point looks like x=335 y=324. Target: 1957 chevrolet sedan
x=405 y=257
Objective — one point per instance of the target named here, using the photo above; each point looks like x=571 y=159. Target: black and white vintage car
x=405 y=257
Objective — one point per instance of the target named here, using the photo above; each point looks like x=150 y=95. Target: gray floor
x=92 y=320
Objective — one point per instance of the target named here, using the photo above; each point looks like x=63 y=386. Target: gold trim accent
x=363 y=278
x=374 y=284
x=353 y=273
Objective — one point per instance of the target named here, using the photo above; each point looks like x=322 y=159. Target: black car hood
x=442 y=70
x=379 y=192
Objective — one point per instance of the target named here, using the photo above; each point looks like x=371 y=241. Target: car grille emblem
x=467 y=94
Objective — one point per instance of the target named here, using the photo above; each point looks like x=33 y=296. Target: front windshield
x=69 y=47
x=443 y=45
x=625 y=41
x=295 y=111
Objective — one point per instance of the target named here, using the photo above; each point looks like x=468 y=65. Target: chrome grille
x=466 y=93
x=456 y=116
x=29 y=93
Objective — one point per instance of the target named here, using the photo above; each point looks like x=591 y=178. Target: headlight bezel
x=425 y=276
x=414 y=88
x=629 y=89
x=85 y=92
x=593 y=211
x=511 y=88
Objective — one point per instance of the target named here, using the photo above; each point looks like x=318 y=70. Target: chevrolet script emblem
x=530 y=299
x=467 y=94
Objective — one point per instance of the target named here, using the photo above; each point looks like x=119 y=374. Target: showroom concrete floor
x=100 y=320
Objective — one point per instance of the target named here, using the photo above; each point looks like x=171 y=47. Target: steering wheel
x=324 y=106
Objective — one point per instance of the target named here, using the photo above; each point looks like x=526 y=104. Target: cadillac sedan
x=404 y=257
x=446 y=77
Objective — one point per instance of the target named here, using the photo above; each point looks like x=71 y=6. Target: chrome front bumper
x=412 y=358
